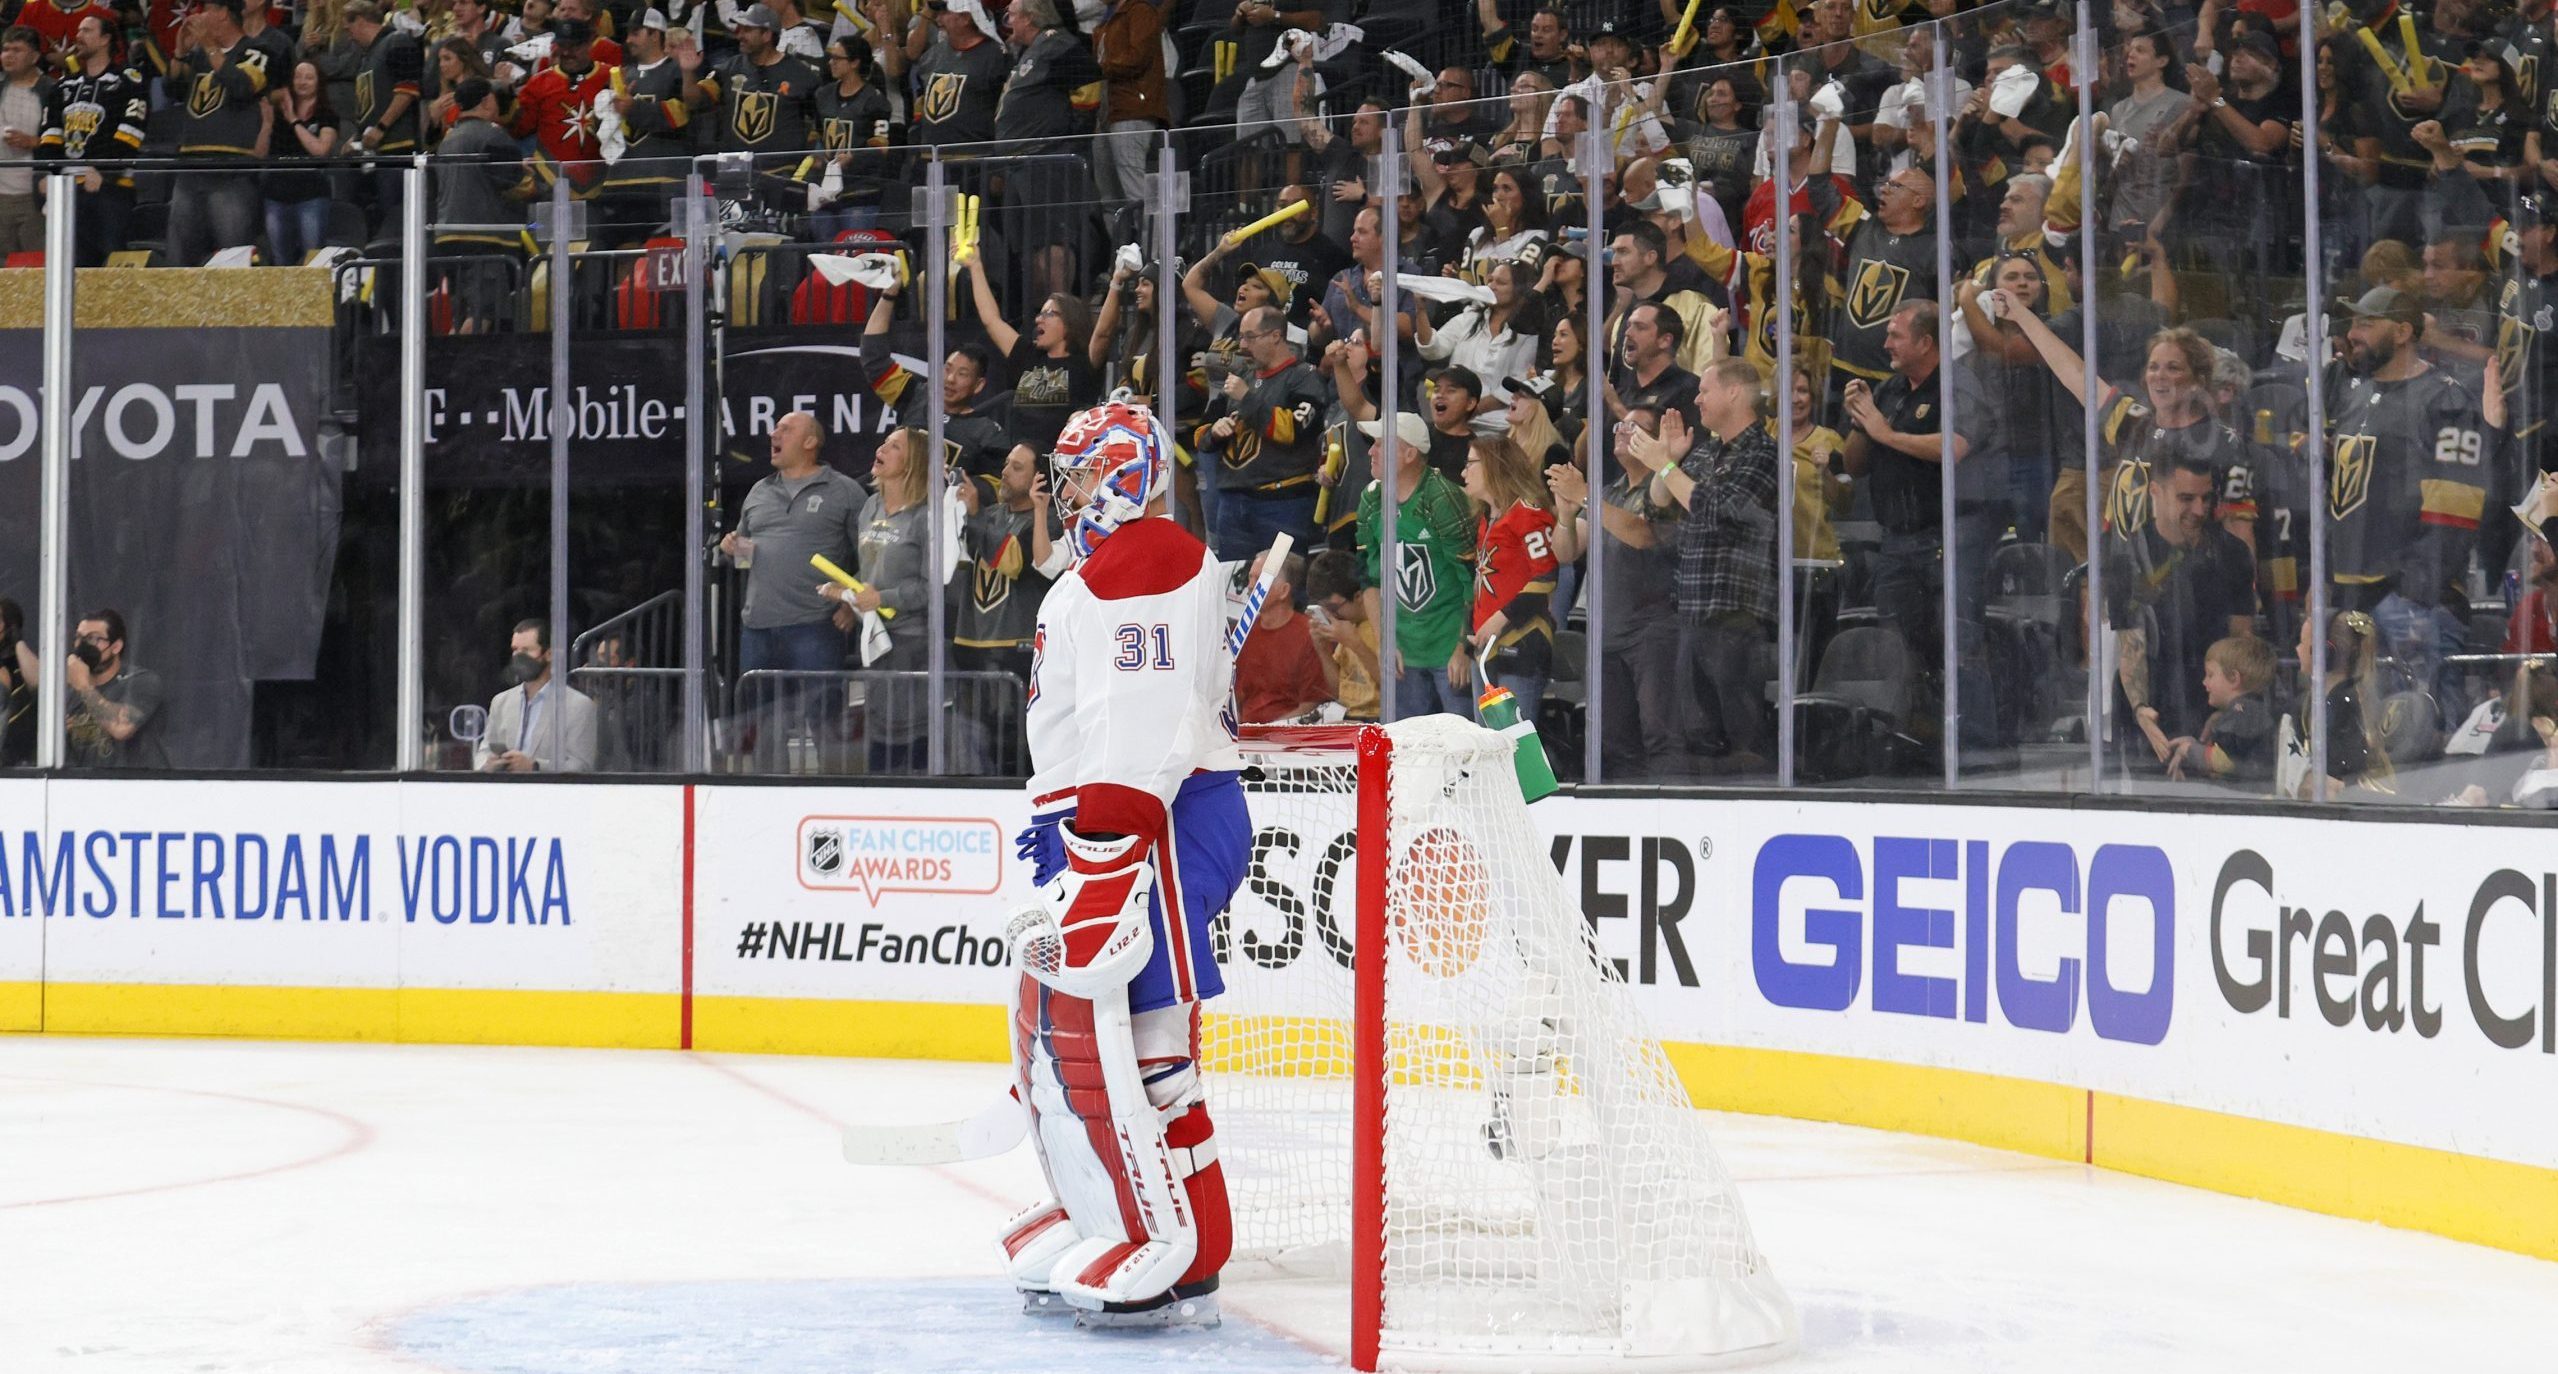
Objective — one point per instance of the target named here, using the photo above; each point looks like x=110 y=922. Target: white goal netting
x=1550 y=1197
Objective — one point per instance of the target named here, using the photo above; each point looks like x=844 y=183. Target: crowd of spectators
x=1935 y=614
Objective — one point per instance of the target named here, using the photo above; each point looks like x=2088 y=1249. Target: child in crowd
x=2237 y=741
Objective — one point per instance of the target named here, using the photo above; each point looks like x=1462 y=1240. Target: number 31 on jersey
x=1143 y=648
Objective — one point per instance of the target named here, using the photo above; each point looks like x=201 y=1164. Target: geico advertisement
x=344 y=884
x=2394 y=981
x=856 y=892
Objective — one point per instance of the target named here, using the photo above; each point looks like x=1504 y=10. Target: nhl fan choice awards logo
x=877 y=855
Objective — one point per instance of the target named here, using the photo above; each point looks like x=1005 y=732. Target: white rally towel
x=611 y=137
x=827 y=189
x=2013 y=90
x=954 y=528
x=1424 y=81
x=878 y=271
x=1444 y=289
x=875 y=645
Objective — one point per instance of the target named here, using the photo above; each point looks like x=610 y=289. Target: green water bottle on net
x=1499 y=710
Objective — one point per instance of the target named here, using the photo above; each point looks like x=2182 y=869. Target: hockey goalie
x=1138 y=840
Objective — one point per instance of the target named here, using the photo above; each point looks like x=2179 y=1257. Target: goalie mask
x=1111 y=462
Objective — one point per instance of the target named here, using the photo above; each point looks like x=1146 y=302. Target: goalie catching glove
x=1089 y=932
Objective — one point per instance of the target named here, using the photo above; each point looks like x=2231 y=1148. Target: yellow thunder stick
x=963 y=231
x=1684 y=37
x=845 y=580
x=1281 y=216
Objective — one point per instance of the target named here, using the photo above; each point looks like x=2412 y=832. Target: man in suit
x=524 y=720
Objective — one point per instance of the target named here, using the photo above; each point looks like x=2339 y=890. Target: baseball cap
x=2262 y=44
x=571 y=32
x=1408 y=426
x=1610 y=28
x=2534 y=212
x=1449 y=151
x=1545 y=391
x=755 y=17
x=2388 y=303
x=975 y=10
x=1281 y=289
x=653 y=19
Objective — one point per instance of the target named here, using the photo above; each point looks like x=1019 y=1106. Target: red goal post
x=1524 y=1182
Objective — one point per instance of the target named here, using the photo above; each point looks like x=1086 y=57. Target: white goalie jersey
x=1129 y=681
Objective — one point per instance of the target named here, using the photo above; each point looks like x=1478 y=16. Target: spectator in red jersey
x=57 y=25
x=601 y=51
x=1280 y=674
x=1814 y=137
x=2531 y=630
x=1514 y=570
x=557 y=107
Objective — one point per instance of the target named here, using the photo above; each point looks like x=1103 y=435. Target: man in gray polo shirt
x=804 y=508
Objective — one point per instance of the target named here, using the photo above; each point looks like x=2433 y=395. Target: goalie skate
x=1187 y=1304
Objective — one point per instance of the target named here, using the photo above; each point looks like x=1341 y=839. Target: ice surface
x=203 y=1206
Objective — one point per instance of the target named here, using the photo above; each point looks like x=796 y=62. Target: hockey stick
x=1001 y=1124
x=1271 y=564
x=994 y=1130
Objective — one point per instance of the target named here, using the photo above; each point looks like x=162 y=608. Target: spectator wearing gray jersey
x=805 y=507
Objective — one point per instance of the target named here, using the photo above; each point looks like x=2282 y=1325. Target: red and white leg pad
x=1129 y=1152
x=1033 y=1241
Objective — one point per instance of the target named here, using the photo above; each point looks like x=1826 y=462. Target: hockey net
x=1485 y=1106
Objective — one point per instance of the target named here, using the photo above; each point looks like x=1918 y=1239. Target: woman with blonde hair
x=1522 y=140
x=1532 y=422
x=894 y=549
x=2354 y=754
x=327 y=46
x=1514 y=572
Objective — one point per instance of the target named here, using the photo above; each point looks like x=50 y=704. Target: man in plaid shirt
x=1725 y=488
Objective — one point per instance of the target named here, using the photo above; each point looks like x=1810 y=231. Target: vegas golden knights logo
x=991 y=589
x=1243 y=448
x=204 y=97
x=2527 y=78
x=1876 y=293
x=2127 y=505
x=753 y=121
x=365 y=109
x=1763 y=319
x=2513 y=353
x=838 y=135
x=1560 y=192
x=941 y=97
x=2349 y=475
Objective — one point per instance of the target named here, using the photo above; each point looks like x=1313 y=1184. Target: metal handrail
x=664 y=603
